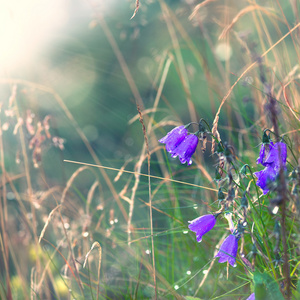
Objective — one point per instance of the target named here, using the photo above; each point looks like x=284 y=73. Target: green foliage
x=266 y=287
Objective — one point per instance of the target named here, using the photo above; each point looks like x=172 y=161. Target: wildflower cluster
x=272 y=156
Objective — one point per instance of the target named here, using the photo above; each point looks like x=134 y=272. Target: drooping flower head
x=228 y=250
x=186 y=149
x=174 y=137
x=275 y=158
x=202 y=225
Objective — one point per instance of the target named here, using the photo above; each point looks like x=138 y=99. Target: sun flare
x=25 y=28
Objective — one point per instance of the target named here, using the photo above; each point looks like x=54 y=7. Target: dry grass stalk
x=45 y=194
x=46 y=268
x=248 y=68
x=32 y=283
x=181 y=67
x=150 y=196
x=48 y=221
x=239 y=15
x=137 y=5
x=95 y=244
x=145 y=112
x=70 y=182
x=122 y=170
x=141 y=174
x=124 y=191
x=198 y=6
x=61 y=103
x=91 y=194
x=211 y=264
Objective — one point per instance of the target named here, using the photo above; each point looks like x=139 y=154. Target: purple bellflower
x=275 y=155
x=275 y=158
x=228 y=250
x=186 y=149
x=202 y=225
x=174 y=138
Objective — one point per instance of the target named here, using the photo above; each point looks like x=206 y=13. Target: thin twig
x=137 y=5
x=141 y=174
x=150 y=198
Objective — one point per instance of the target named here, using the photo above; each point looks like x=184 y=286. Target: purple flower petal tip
x=186 y=149
x=251 y=297
x=174 y=138
x=202 y=225
x=228 y=250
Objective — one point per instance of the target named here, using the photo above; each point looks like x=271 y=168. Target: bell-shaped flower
x=174 y=137
x=276 y=157
x=186 y=149
x=228 y=250
x=202 y=225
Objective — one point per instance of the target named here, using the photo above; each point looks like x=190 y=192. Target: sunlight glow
x=26 y=27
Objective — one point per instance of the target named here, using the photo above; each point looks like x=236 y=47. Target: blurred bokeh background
x=71 y=76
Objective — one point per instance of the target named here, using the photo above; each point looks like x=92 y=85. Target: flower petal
x=228 y=250
x=174 y=138
x=186 y=149
x=202 y=225
x=251 y=297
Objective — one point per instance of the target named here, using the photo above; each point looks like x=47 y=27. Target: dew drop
x=234 y=265
x=245 y=224
x=148 y=251
x=66 y=225
x=223 y=51
x=10 y=196
x=85 y=234
x=185 y=231
x=111 y=222
x=176 y=287
x=205 y=272
x=188 y=272
x=195 y=206
x=275 y=210
x=116 y=220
